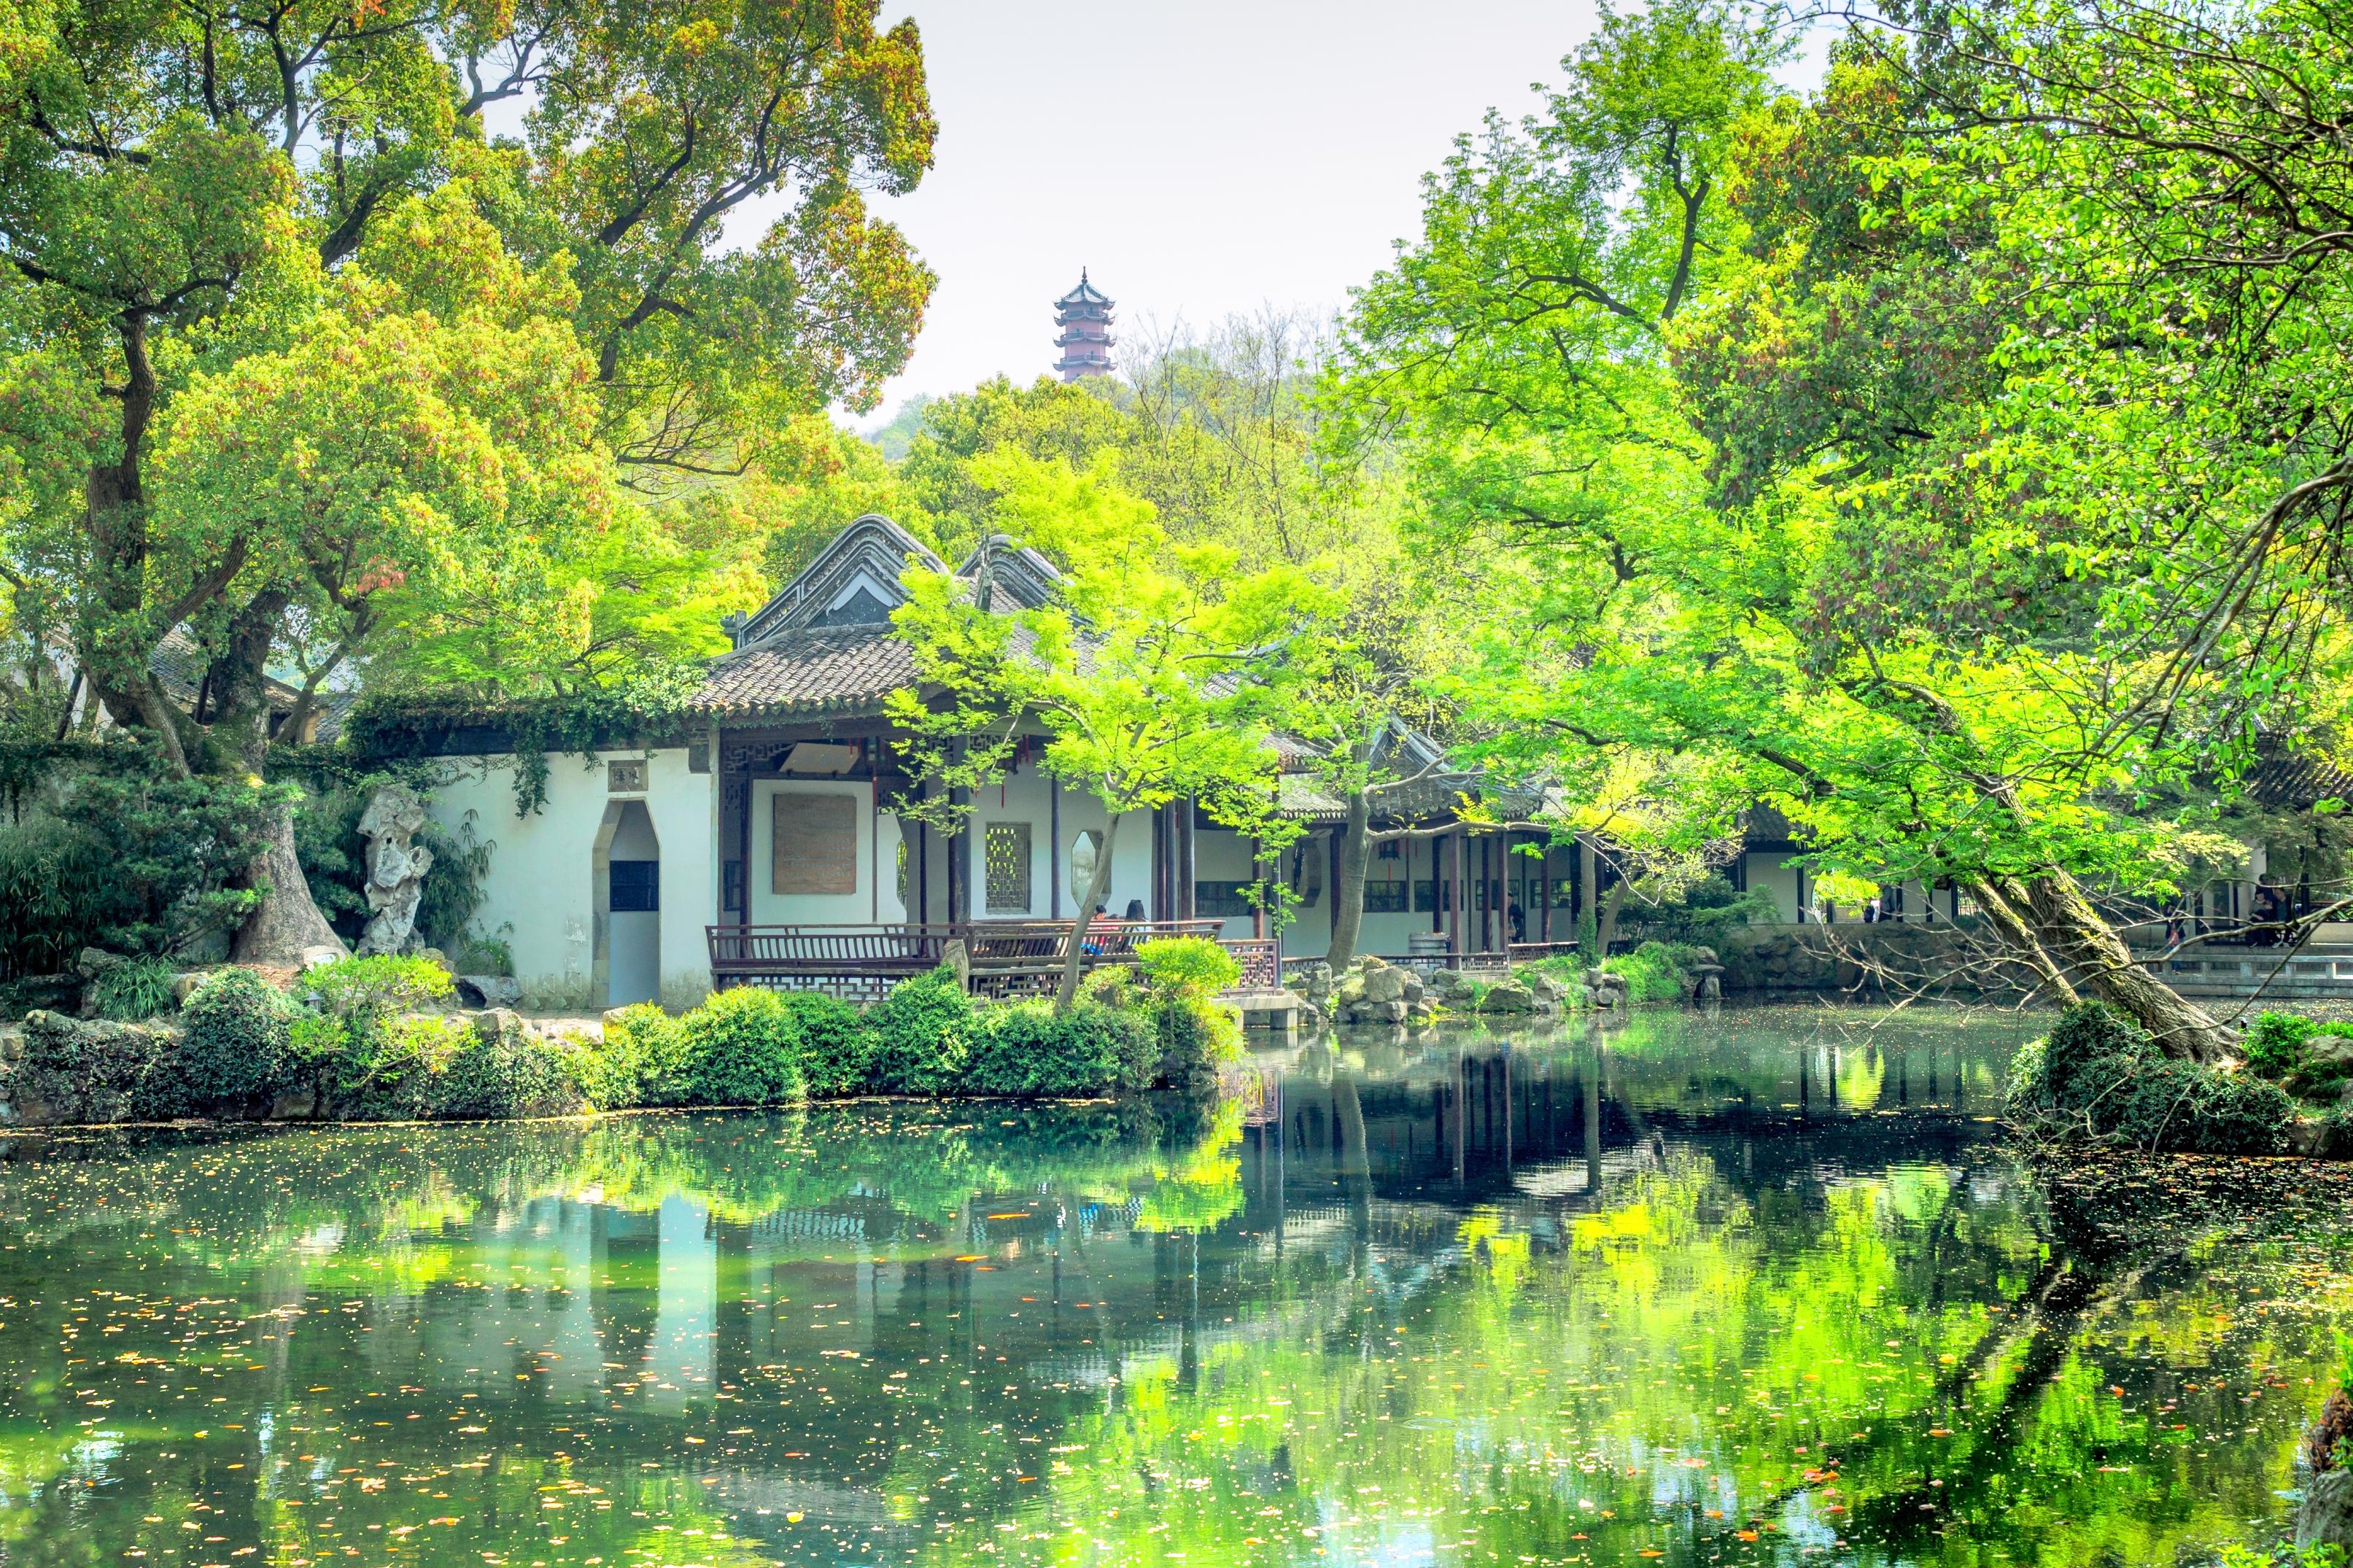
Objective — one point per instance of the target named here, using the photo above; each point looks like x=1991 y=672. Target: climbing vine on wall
x=650 y=708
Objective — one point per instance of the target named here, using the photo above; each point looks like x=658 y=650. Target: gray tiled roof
x=832 y=670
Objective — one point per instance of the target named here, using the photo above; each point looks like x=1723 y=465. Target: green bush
x=2168 y=1104
x=921 y=1031
x=494 y=1073
x=1024 y=1048
x=835 y=1047
x=740 y=1050
x=57 y=896
x=233 y=1043
x=76 y=1070
x=1197 y=1038
x=2275 y=1044
x=377 y=986
x=133 y=989
x=1654 y=972
x=2099 y=1076
x=641 y=1060
x=358 y=1048
x=177 y=849
x=1189 y=965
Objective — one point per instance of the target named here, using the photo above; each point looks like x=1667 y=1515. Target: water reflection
x=1746 y=1288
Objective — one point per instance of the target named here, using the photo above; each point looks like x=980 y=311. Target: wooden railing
x=1261 y=969
x=1000 y=956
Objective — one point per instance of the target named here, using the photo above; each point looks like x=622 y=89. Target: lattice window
x=1383 y=898
x=814 y=846
x=1004 y=848
x=1223 y=900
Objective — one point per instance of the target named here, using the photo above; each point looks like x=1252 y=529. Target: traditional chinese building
x=1084 y=316
x=756 y=834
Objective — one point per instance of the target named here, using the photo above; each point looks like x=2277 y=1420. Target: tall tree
x=178 y=191
x=1587 y=346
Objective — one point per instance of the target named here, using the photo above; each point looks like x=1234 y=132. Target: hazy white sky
x=1199 y=157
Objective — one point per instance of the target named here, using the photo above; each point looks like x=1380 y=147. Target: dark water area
x=1765 y=1286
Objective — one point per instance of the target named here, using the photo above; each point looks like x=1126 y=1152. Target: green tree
x=1154 y=673
x=1610 y=346
x=181 y=197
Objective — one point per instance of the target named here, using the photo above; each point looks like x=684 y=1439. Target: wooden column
x=1457 y=890
x=1259 y=879
x=1187 y=863
x=1544 y=920
x=1055 y=849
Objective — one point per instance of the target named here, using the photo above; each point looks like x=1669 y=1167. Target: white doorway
x=632 y=900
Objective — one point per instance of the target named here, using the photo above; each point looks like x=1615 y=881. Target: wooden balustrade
x=1001 y=957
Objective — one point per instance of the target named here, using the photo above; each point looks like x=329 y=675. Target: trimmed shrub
x=740 y=1050
x=640 y=1061
x=835 y=1047
x=233 y=1043
x=2098 y=1075
x=502 y=1071
x=1187 y=965
x=359 y=1049
x=2275 y=1044
x=1024 y=1048
x=134 y=989
x=922 y=1032
x=356 y=989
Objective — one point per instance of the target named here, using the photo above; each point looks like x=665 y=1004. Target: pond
x=1762 y=1287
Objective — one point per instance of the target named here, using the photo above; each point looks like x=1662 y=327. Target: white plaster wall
x=1221 y=855
x=1769 y=872
x=1025 y=797
x=540 y=894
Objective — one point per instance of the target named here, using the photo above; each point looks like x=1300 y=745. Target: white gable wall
x=540 y=893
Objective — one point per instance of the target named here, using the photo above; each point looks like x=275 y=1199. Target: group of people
x=1103 y=924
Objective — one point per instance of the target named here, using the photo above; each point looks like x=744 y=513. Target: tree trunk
x=2098 y=961
x=2008 y=908
x=1098 y=884
x=1348 y=896
x=1609 y=907
x=286 y=921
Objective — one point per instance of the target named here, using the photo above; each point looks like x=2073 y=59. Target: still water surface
x=1761 y=1287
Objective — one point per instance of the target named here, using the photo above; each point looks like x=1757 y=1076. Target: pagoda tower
x=1084 y=314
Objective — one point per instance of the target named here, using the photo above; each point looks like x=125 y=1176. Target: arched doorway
x=629 y=898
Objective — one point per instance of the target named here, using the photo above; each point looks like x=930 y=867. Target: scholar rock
x=396 y=867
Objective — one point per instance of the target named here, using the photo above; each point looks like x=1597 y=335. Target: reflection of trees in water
x=1487 y=1277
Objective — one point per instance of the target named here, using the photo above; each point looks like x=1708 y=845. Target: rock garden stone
x=2329 y=1050
x=397 y=865
x=489 y=990
x=1508 y=996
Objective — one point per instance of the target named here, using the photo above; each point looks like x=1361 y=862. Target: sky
x=1199 y=158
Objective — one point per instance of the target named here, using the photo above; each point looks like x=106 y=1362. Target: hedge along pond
x=346 y=1041
x=1744 y=1290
